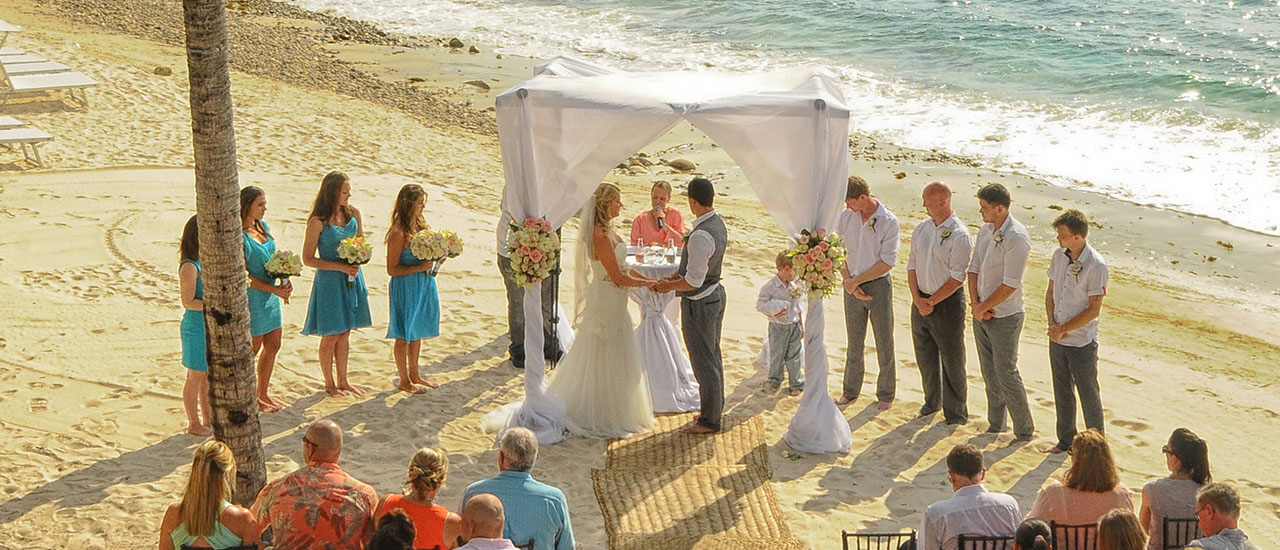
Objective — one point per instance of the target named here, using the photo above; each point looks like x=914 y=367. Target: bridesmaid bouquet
x=534 y=248
x=282 y=265
x=355 y=251
x=435 y=245
x=816 y=259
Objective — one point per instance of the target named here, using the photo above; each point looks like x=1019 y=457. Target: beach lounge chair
x=10 y=50
x=13 y=59
x=6 y=28
x=69 y=81
x=26 y=138
x=878 y=541
x=36 y=68
x=10 y=122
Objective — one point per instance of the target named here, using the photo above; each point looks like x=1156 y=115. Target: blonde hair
x=782 y=260
x=663 y=185
x=1119 y=530
x=605 y=194
x=427 y=470
x=212 y=480
x=1093 y=468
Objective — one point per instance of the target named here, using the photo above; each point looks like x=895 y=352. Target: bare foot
x=698 y=429
x=1054 y=450
x=275 y=403
x=795 y=392
x=333 y=391
x=198 y=430
x=412 y=388
x=842 y=401
x=355 y=390
x=427 y=382
x=266 y=406
x=884 y=405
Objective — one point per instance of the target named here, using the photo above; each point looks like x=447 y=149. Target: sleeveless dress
x=601 y=379
x=193 y=350
x=428 y=521
x=334 y=307
x=415 y=307
x=264 y=307
x=221 y=537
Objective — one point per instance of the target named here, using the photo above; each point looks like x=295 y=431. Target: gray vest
x=713 y=226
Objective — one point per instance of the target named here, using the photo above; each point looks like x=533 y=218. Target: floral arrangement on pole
x=282 y=265
x=534 y=248
x=816 y=260
x=428 y=245
x=355 y=250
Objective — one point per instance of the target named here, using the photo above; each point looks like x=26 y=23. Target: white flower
x=999 y=236
x=1075 y=269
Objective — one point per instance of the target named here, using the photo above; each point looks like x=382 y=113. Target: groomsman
x=1073 y=301
x=936 y=267
x=870 y=234
x=995 y=296
x=515 y=302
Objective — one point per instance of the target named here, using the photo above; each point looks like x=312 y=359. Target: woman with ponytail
x=1187 y=457
x=434 y=524
x=1033 y=534
x=205 y=516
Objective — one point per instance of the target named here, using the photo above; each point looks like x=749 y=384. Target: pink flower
x=823 y=246
x=808 y=258
x=524 y=251
x=812 y=277
x=536 y=255
x=546 y=225
x=530 y=223
x=826 y=264
x=822 y=233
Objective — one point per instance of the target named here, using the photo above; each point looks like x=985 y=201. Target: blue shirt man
x=535 y=512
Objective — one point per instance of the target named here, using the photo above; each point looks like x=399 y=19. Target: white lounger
x=26 y=138
x=21 y=58
x=36 y=68
x=68 y=81
x=7 y=122
x=10 y=50
x=6 y=28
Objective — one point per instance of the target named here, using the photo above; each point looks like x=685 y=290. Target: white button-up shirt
x=1073 y=283
x=939 y=253
x=999 y=258
x=972 y=511
x=487 y=544
x=870 y=241
x=700 y=247
x=775 y=296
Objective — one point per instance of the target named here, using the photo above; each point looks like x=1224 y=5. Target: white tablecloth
x=671 y=381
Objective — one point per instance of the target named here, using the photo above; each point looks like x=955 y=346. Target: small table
x=672 y=386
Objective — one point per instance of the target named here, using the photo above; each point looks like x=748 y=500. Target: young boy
x=785 y=329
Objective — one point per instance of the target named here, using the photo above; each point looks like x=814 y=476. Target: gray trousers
x=1075 y=369
x=784 y=353
x=997 y=340
x=701 y=322
x=515 y=313
x=939 y=343
x=856 y=313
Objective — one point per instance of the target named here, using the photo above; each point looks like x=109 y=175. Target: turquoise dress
x=264 y=307
x=335 y=307
x=221 y=537
x=193 y=355
x=415 y=307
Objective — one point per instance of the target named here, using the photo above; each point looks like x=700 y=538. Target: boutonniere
x=1075 y=269
x=999 y=238
x=945 y=235
x=872 y=222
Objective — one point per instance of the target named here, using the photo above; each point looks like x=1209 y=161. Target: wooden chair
x=1178 y=532
x=1073 y=537
x=525 y=546
x=878 y=541
x=979 y=542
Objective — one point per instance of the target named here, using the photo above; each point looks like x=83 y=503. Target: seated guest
x=661 y=223
x=482 y=519
x=973 y=510
x=395 y=532
x=1091 y=487
x=539 y=512
x=318 y=505
x=205 y=516
x=1119 y=530
x=1033 y=534
x=1218 y=509
x=427 y=472
x=1187 y=457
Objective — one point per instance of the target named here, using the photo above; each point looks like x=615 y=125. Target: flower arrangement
x=816 y=260
x=356 y=250
x=435 y=245
x=534 y=249
x=282 y=265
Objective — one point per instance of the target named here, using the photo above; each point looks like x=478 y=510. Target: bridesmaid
x=195 y=391
x=264 y=292
x=415 y=307
x=334 y=308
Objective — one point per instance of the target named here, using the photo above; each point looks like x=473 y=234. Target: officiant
x=658 y=224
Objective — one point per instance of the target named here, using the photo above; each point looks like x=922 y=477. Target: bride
x=600 y=379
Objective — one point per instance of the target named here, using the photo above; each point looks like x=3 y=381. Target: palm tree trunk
x=232 y=379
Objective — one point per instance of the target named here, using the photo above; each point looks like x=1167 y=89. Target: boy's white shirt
x=775 y=297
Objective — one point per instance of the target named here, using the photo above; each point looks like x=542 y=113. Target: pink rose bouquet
x=816 y=259
x=534 y=249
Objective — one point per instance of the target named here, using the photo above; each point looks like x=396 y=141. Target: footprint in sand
x=1132 y=425
x=1129 y=379
x=1259 y=410
x=38 y=404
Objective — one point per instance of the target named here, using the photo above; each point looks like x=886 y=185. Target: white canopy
x=562 y=131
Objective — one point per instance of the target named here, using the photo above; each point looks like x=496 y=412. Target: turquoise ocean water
x=1173 y=103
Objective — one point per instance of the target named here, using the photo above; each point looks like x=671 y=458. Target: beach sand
x=90 y=374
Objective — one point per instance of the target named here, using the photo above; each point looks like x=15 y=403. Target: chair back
x=1073 y=537
x=525 y=546
x=1178 y=532
x=979 y=542
x=879 y=541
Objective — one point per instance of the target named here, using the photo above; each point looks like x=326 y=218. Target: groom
x=702 y=302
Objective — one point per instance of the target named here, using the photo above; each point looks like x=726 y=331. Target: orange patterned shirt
x=317 y=506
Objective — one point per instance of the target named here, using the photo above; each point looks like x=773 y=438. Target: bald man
x=482 y=520
x=318 y=505
x=936 y=266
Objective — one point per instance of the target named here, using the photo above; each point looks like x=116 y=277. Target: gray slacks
x=515 y=313
x=701 y=322
x=997 y=340
x=784 y=354
x=939 y=344
x=1075 y=368
x=880 y=312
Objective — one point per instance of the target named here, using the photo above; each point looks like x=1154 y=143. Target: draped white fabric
x=671 y=382
x=563 y=130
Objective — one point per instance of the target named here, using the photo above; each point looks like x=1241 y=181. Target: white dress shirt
x=1073 y=283
x=700 y=247
x=487 y=544
x=972 y=511
x=939 y=253
x=1001 y=263
x=775 y=296
x=870 y=241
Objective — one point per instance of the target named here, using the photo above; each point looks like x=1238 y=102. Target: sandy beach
x=90 y=373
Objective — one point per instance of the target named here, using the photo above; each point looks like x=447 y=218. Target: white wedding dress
x=601 y=379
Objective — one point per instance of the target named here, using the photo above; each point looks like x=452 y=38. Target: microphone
x=661 y=219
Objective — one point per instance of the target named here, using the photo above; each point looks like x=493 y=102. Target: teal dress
x=264 y=307
x=335 y=307
x=193 y=351
x=222 y=537
x=415 y=307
